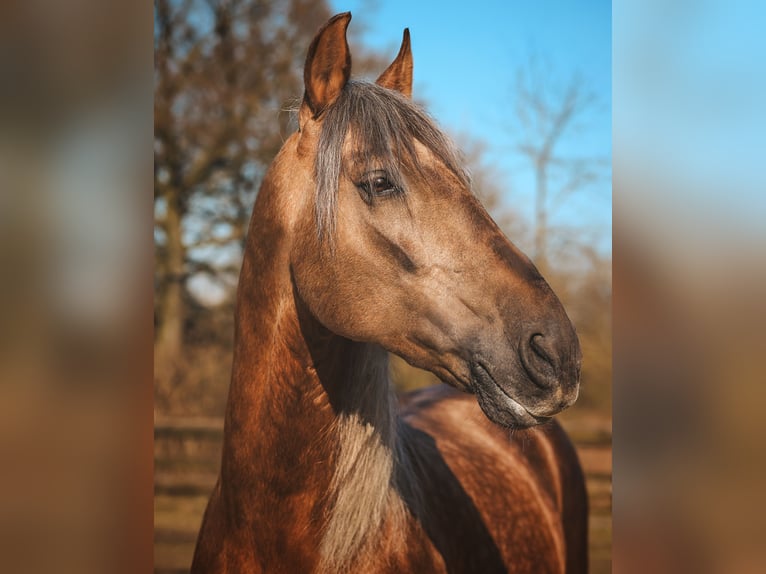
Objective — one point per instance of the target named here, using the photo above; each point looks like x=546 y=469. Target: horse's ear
x=328 y=64
x=398 y=76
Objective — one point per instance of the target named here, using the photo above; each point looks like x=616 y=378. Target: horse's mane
x=385 y=126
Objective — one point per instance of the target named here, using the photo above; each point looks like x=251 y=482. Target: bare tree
x=223 y=71
x=547 y=116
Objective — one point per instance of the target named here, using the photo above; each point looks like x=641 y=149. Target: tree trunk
x=168 y=347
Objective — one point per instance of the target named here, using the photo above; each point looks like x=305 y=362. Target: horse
x=365 y=239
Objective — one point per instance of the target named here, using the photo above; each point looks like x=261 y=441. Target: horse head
x=392 y=247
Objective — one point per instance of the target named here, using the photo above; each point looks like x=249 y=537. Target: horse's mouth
x=497 y=404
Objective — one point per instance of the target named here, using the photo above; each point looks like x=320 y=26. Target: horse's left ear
x=398 y=76
x=328 y=64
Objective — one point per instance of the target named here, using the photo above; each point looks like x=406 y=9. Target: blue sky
x=466 y=57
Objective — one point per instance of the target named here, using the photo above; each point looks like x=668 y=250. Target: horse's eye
x=377 y=184
x=381 y=185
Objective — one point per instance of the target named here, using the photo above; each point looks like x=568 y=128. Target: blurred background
x=526 y=94
x=689 y=282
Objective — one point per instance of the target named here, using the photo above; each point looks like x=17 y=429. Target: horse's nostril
x=538 y=360
x=537 y=342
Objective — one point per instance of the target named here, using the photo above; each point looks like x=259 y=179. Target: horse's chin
x=500 y=408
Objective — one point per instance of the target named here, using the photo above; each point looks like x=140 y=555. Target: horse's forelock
x=385 y=126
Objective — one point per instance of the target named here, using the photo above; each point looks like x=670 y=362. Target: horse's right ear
x=328 y=65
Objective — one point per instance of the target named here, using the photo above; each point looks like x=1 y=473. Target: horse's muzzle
x=526 y=390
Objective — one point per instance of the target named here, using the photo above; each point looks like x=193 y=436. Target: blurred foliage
x=223 y=74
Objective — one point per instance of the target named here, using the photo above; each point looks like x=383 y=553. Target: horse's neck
x=309 y=414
